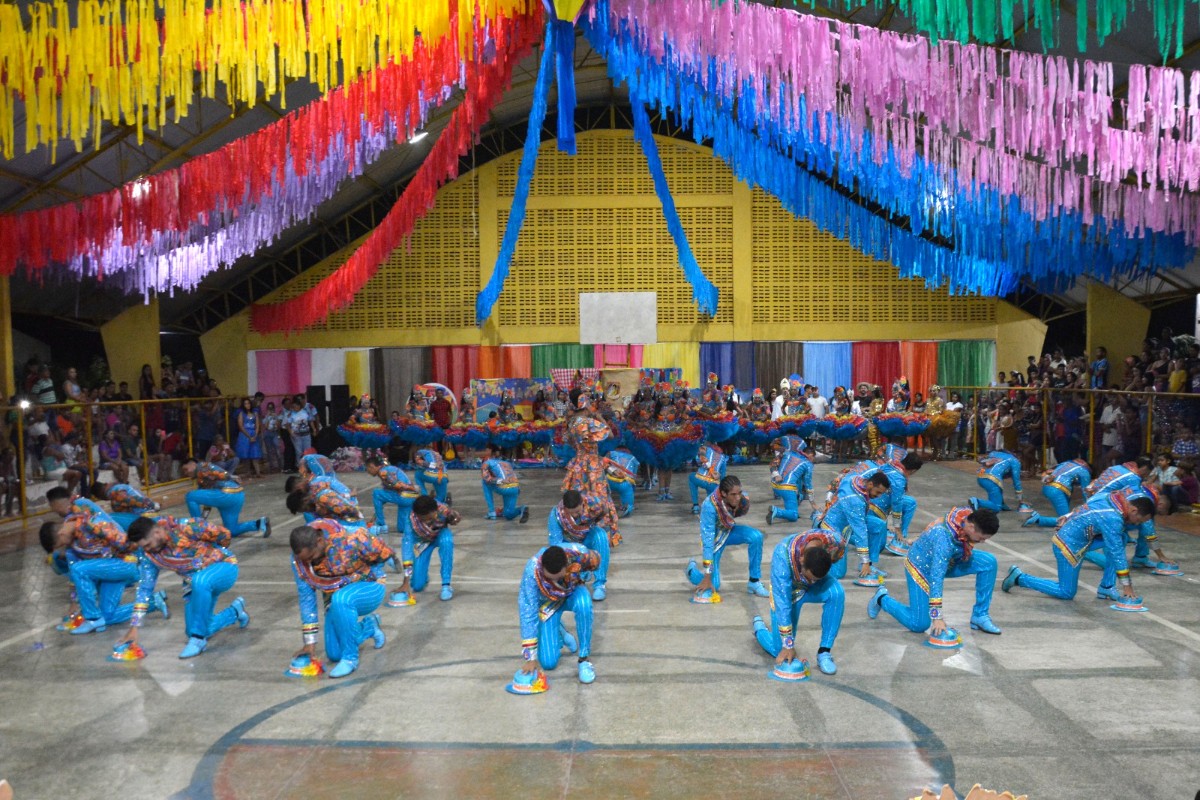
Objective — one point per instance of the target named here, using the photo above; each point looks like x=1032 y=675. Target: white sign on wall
x=618 y=317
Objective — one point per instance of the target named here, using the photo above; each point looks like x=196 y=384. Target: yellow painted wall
x=131 y=339
x=594 y=224
x=225 y=348
x=1117 y=323
x=1018 y=336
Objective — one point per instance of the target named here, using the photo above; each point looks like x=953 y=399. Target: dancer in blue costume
x=712 y=464
x=946 y=549
x=499 y=477
x=431 y=471
x=197 y=551
x=791 y=480
x=554 y=582
x=1120 y=476
x=396 y=488
x=1057 y=486
x=620 y=472
x=1147 y=532
x=126 y=503
x=1086 y=528
x=574 y=521
x=217 y=489
x=846 y=514
x=800 y=574
x=903 y=506
x=429 y=526
x=993 y=469
x=718 y=530
x=347 y=566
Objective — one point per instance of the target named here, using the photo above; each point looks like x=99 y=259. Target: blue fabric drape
x=827 y=364
x=732 y=361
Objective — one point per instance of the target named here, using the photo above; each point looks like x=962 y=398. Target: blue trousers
x=344 y=630
x=791 y=504
x=207 y=584
x=301 y=442
x=696 y=485
x=508 y=494
x=995 y=495
x=1095 y=555
x=445 y=548
x=908 y=508
x=579 y=603
x=440 y=487
x=741 y=534
x=1064 y=588
x=403 y=505
x=1060 y=502
x=915 y=615
x=228 y=504
x=99 y=584
x=597 y=540
x=624 y=491
x=827 y=592
x=877 y=534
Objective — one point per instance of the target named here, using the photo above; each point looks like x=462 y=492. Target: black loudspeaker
x=316 y=397
x=339 y=404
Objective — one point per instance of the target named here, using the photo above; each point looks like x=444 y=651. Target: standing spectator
x=249 y=425
x=818 y=406
x=1108 y=426
x=123 y=394
x=300 y=429
x=957 y=439
x=43 y=388
x=440 y=408
x=1177 y=380
x=146 y=389
x=1099 y=369
x=72 y=392
x=31 y=375
x=270 y=437
x=205 y=429
x=780 y=400
x=1129 y=432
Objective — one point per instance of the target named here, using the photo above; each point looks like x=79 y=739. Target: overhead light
x=418 y=136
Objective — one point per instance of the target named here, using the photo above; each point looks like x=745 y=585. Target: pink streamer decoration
x=1038 y=127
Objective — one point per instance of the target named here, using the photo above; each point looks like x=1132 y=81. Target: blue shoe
x=160 y=604
x=264 y=525
x=1023 y=507
x=599 y=593
x=193 y=648
x=1032 y=520
x=392 y=565
x=1010 y=580
x=628 y=510
x=826 y=664
x=668 y=496
x=587 y=673
x=876 y=602
x=524 y=515
x=984 y=623
x=973 y=503
x=757 y=589
x=377 y=631
x=490 y=516
x=568 y=641
x=1102 y=593
x=90 y=626
x=880 y=573
x=758 y=624
x=693 y=573
x=447 y=592
x=239 y=608
x=343 y=668
x=377 y=530
x=1005 y=507
x=1143 y=562
x=695 y=508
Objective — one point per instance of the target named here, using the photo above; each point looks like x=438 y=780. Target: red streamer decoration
x=486 y=83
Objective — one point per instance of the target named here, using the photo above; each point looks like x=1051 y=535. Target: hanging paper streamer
x=563 y=36
x=82 y=63
x=704 y=291
x=484 y=87
x=516 y=217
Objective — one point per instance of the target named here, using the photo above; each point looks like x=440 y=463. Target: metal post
x=1044 y=392
x=21 y=474
x=1150 y=423
x=145 y=449
x=187 y=410
x=1092 y=426
x=87 y=438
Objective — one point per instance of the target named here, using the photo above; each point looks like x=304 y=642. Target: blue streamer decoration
x=487 y=298
x=704 y=291
x=564 y=62
x=973 y=240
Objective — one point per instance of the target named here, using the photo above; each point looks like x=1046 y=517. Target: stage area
x=1072 y=701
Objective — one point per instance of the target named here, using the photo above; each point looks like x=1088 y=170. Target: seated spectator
x=131 y=447
x=112 y=458
x=1185 y=493
x=1163 y=474
x=1185 y=445
x=222 y=455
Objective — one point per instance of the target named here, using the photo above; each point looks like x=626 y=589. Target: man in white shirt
x=780 y=399
x=1108 y=424
x=818 y=406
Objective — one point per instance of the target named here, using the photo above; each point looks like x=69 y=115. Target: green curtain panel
x=966 y=363
x=561 y=356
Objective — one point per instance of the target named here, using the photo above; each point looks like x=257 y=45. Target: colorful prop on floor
x=70 y=623
x=127 y=651
x=303 y=666
x=1165 y=568
x=401 y=600
x=957 y=231
x=485 y=84
x=1130 y=605
x=947 y=640
x=793 y=671
x=78 y=65
x=977 y=793
x=707 y=597
x=528 y=683
x=895 y=424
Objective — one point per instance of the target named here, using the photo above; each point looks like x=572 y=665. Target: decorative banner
x=978 y=242
x=485 y=85
x=126 y=63
x=524 y=392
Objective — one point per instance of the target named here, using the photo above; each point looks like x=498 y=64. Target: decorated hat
x=757 y=395
x=934 y=389
x=712 y=377
x=646 y=381
x=784 y=383
x=663 y=388
x=796 y=384
x=681 y=385
x=727 y=388
x=863 y=387
x=584 y=401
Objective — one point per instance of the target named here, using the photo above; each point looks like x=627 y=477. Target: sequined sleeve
x=555 y=529
x=408 y=548
x=854 y=507
x=708 y=532
x=939 y=566
x=147 y=580
x=782 y=586
x=1112 y=529
x=528 y=600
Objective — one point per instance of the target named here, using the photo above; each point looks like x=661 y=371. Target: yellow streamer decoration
x=138 y=62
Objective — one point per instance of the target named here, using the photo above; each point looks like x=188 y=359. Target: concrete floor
x=1072 y=701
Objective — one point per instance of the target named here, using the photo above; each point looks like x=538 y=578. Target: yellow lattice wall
x=593 y=223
